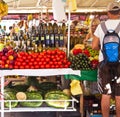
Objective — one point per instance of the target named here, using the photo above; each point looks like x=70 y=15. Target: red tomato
x=23 y=63
x=42 y=59
x=35 y=63
x=20 y=60
x=34 y=56
x=40 y=56
x=54 y=60
x=40 y=63
x=52 y=56
x=47 y=66
x=18 y=63
x=37 y=59
x=59 y=63
x=69 y=63
x=52 y=66
x=8 y=61
x=27 y=61
x=47 y=59
x=27 y=66
x=29 y=57
x=48 y=52
x=53 y=52
x=16 y=67
x=36 y=66
x=48 y=56
x=64 y=61
x=51 y=63
x=42 y=66
x=21 y=67
x=56 y=66
x=30 y=63
x=66 y=66
x=58 y=58
x=11 y=66
x=32 y=60
x=61 y=56
x=55 y=63
x=44 y=63
x=32 y=67
x=44 y=52
x=61 y=66
x=63 y=53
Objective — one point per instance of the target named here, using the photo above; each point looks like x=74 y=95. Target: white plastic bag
x=58 y=7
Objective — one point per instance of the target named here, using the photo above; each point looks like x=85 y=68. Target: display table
x=35 y=72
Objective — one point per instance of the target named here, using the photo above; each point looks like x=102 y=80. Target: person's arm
x=95 y=43
x=86 y=38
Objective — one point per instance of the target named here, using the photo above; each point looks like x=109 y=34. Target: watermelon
x=20 y=87
x=45 y=87
x=32 y=96
x=57 y=95
x=10 y=95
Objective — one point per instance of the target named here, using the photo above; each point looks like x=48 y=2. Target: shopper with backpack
x=107 y=40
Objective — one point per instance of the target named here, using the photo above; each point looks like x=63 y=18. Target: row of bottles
x=51 y=35
x=37 y=38
x=76 y=38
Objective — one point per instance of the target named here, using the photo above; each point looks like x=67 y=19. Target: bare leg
x=117 y=102
x=105 y=105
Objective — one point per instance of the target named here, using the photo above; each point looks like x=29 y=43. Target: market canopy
x=18 y=6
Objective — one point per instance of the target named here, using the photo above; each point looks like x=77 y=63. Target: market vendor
x=94 y=23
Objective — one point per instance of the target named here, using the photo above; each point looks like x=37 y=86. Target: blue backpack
x=111 y=44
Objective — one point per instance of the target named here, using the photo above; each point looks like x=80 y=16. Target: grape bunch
x=92 y=52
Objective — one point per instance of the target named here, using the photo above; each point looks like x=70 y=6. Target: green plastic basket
x=90 y=75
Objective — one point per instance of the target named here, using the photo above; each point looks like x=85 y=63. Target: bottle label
x=42 y=38
x=47 y=39
x=56 y=37
x=52 y=39
x=37 y=38
x=61 y=37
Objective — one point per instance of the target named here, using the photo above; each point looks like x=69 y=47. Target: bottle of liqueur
x=15 y=40
x=37 y=37
x=64 y=27
x=35 y=48
x=40 y=47
x=21 y=39
x=43 y=31
x=61 y=37
x=76 y=39
x=28 y=45
x=71 y=40
x=47 y=37
x=40 y=29
x=55 y=31
x=51 y=33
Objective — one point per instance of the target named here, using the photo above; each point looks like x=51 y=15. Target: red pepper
x=77 y=51
x=86 y=52
x=94 y=64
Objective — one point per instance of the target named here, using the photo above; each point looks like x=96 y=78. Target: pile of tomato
x=47 y=59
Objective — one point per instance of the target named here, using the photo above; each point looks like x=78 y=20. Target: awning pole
x=68 y=45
